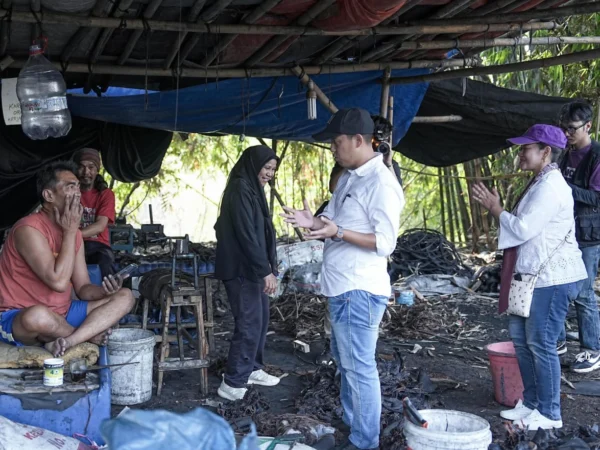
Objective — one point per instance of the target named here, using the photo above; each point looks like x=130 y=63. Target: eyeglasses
x=572 y=130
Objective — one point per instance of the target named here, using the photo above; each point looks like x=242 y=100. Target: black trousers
x=250 y=309
x=98 y=253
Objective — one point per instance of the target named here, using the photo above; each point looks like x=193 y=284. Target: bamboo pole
x=598 y=121
x=504 y=68
x=106 y=34
x=449 y=203
x=495 y=42
x=438 y=27
x=441 y=186
x=305 y=79
x=436 y=119
x=470 y=172
x=523 y=16
x=191 y=18
x=149 y=12
x=462 y=204
x=251 y=18
x=106 y=69
x=282 y=203
x=272 y=182
x=456 y=216
x=385 y=93
x=275 y=42
x=99 y=12
x=211 y=14
x=484 y=222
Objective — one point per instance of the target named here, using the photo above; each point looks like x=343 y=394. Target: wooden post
x=462 y=204
x=441 y=185
x=504 y=68
x=436 y=119
x=385 y=93
x=453 y=195
x=484 y=222
x=305 y=79
x=468 y=166
x=449 y=202
x=272 y=183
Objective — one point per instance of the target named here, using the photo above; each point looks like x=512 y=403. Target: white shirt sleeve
x=384 y=210
x=535 y=212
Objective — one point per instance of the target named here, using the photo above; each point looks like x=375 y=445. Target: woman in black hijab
x=247 y=263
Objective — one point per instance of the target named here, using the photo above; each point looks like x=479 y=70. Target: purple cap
x=544 y=134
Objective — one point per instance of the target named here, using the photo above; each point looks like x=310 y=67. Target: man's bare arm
x=96 y=228
x=34 y=248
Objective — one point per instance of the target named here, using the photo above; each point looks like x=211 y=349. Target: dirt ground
x=463 y=361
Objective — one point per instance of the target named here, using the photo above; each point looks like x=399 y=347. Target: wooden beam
x=304 y=79
x=191 y=17
x=208 y=16
x=106 y=34
x=274 y=43
x=437 y=119
x=504 y=68
x=105 y=69
x=100 y=11
x=439 y=27
x=344 y=43
x=385 y=93
x=523 y=16
x=496 y=42
x=251 y=18
x=148 y=13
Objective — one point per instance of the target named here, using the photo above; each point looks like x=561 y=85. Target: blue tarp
x=261 y=107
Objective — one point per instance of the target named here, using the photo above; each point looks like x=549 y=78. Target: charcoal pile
x=252 y=404
x=584 y=438
x=433 y=316
x=426 y=252
x=321 y=399
x=487 y=279
x=299 y=315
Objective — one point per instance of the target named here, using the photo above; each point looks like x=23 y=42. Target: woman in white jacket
x=542 y=229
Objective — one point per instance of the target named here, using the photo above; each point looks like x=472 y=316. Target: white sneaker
x=263 y=378
x=518 y=412
x=535 y=420
x=230 y=393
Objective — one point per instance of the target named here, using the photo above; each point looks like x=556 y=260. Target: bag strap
x=543 y=266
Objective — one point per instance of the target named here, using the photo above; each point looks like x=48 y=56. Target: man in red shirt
x=98 y=203
x=42 y=261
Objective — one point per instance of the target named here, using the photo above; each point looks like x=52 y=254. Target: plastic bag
x=305 y=279
x=160 y=429
x=16 y=436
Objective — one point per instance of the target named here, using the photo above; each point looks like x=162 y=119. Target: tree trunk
x=134 y=186
x=453 y=196
x=468 y=166
x=464 y=212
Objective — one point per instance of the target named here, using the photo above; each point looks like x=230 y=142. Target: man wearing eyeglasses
x=581 y=168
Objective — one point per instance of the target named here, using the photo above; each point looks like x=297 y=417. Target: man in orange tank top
x=42 y=261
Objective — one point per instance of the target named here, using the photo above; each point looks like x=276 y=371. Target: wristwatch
x=339 y=235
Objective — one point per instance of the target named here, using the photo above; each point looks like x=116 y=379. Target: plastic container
x=506 y=375
x=42 y=93
x=131 y=384
x=448 y=430
x=53 y=372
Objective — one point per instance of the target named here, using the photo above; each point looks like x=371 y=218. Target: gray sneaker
x=586 y=362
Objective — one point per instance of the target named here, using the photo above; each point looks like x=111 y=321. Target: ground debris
x=583 y=438
x=299 y=315
x=252 y=404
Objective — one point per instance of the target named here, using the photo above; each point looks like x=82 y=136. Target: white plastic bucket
x=448 y=430
x=131 y=384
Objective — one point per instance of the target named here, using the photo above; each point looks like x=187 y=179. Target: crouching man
x=42 y=261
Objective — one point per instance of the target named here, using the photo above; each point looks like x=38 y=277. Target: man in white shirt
x=360 y=226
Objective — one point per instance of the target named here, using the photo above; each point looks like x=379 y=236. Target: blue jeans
x=355 y=318
x=535 y=344
x=588 y=320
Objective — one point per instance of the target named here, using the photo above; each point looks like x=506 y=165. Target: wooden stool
x=177 y=298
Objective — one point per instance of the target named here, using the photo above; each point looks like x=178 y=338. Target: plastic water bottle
x=41 y=90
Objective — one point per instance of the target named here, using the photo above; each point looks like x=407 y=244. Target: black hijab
x=247 y=168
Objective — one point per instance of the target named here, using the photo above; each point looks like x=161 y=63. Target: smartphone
x=126 y=272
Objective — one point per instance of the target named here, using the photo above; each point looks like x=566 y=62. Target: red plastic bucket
x=506 y=376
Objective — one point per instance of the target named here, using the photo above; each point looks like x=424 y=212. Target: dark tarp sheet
x=128 y=153
x=260 y=107
x=490 y=116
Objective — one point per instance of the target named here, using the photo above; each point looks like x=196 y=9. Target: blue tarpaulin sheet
x=261 y=107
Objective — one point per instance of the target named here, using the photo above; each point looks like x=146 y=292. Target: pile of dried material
x=321 y=399
x=252 y=404
x=424 y=318
x=584 y=438
x=426 y=252
x=299 y=315
x=487 y=279
x=278 y=425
